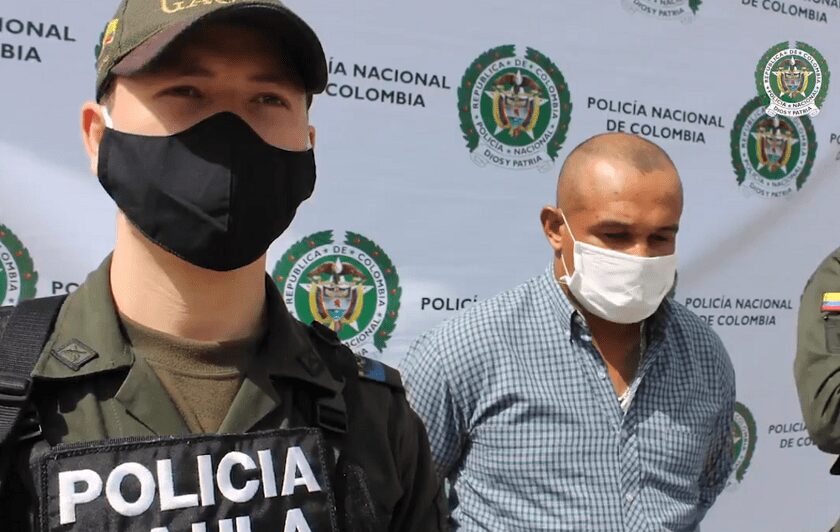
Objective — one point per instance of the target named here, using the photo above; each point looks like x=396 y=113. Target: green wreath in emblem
x=694 y=5
x=517 y=108
x=352 y=288
x=467 y=83
x=792 y=84
x=772 y=149
x=16 y=270
x=810 y=50
x=744 y=436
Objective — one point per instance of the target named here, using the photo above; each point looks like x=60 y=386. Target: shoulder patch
x=376 y=371
x=830 y=302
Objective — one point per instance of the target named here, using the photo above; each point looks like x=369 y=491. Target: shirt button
x=602 y=374
x=629 y=497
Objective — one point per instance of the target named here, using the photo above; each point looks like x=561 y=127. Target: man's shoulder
x=484 y=328
x=704 y=344
x=490 y=317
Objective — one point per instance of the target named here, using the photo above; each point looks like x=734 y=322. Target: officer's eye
x=272 y=100
x=183 y=91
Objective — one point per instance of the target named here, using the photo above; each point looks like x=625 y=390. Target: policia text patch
x=276 y=480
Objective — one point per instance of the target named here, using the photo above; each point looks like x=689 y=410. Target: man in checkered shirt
x=584 y=399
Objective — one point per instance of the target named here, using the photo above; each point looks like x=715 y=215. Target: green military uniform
x=817 y=366
x=88 y=385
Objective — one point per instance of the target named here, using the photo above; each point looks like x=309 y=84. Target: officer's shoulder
x=353 y=365
x=5 y=314
x=828 y=267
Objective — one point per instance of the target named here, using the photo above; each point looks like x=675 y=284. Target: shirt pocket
x=673 y=458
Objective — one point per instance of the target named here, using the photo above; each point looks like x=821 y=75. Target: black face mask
x=215 y=195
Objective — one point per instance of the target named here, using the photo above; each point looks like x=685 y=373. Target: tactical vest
x=284 y=479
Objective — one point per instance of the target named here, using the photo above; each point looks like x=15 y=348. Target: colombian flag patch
x=830 y=302
x=110 y=31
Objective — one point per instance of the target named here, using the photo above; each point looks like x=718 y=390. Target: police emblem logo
x=18 y=278
x=514 y=111
x=352 y=287
x=683 y=10
x=772 y=155
x=744 y=437
x=792 y=80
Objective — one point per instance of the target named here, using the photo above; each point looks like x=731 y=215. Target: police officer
x=174 y=391
x=817 y=366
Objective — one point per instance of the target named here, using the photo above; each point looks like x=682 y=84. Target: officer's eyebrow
x=196 y=70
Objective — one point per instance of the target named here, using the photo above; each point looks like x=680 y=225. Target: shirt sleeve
x=720 y=459
x=817 y=365
x=433 y=396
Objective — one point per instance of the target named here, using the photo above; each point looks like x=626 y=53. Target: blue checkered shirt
x=525 y=423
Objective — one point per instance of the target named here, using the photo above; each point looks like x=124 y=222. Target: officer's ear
x=93 y=127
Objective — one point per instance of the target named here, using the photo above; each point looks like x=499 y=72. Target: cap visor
x=296 y=37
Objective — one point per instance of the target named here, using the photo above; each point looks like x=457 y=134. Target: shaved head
x=615 y=191
x=612 y=157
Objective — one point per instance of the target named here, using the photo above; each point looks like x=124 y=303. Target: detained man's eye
x=623 y=235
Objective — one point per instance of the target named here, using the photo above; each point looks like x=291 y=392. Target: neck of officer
x=163 y=292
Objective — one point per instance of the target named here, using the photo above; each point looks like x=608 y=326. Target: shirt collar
x=562 y=307
x=89 y=319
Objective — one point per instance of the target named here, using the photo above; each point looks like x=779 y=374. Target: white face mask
x=618 y=287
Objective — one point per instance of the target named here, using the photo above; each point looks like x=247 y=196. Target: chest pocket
x=673 y=456
x=274 y=480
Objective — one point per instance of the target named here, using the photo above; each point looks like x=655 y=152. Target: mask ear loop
x=565 y=278
x=109 y=123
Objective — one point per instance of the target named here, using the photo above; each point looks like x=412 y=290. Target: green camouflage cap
x=142 y=29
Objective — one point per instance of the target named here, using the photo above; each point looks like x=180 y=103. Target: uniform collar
x=89 y=319
x=288 y=351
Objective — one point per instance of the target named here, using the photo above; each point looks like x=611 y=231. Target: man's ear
x=311 y=137
x=553 y=227
x=93 y=127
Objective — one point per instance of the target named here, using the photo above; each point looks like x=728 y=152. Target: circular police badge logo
x=17 y=272
x=772 y=155
x=792 y=80
x=514 y=110
x=744 y=435
x=351 y=287
x=682 y=10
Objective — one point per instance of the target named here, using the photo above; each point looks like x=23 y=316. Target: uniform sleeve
x=817 y=365
x=720 y=459
x=434 y=397
x=422 y=507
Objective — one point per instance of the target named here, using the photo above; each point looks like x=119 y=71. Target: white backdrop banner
x=440 y=138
